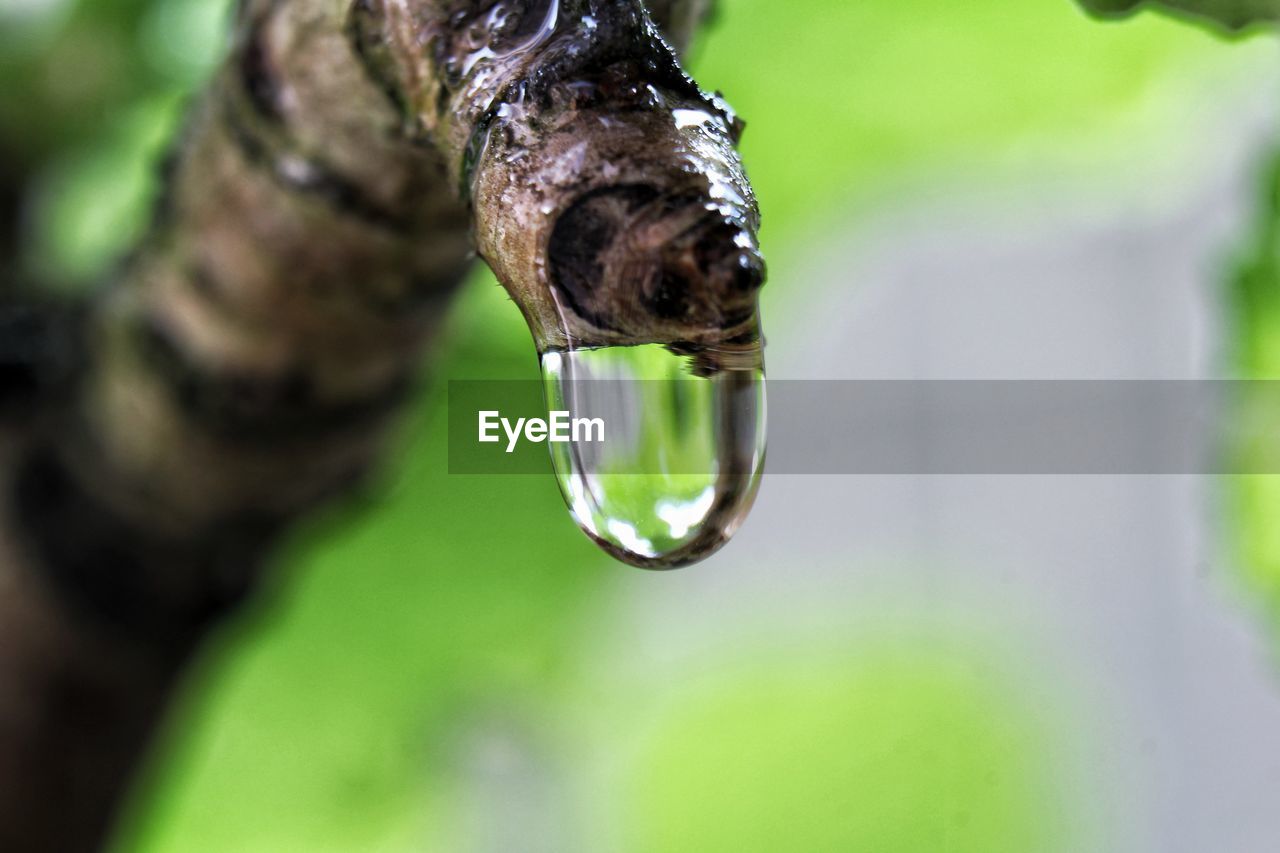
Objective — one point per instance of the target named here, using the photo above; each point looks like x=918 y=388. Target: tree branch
x=607 y=193
x=246 y=363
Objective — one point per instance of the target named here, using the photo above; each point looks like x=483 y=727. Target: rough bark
x=245 y=364
x=607 y=194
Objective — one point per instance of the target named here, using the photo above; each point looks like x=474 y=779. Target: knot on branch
x=638 y=263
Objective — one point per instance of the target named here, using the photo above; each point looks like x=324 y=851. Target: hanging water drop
x=682 y=451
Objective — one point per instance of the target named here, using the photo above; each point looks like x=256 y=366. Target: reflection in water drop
x=683 y=447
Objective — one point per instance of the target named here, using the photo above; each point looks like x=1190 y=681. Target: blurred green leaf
x=184 y=39
x=92 y=204
x=1234 y=15
x=894 y=751
x=1255 y=288
x=1254 y=300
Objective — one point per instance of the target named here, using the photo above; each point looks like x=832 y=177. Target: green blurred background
x=441 y=671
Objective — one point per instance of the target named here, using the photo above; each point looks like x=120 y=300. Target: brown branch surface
x=607 y=193
x=246 y=363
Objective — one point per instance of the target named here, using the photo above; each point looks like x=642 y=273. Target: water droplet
x=692 y=118
x=480 y=36
x=682 y=451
